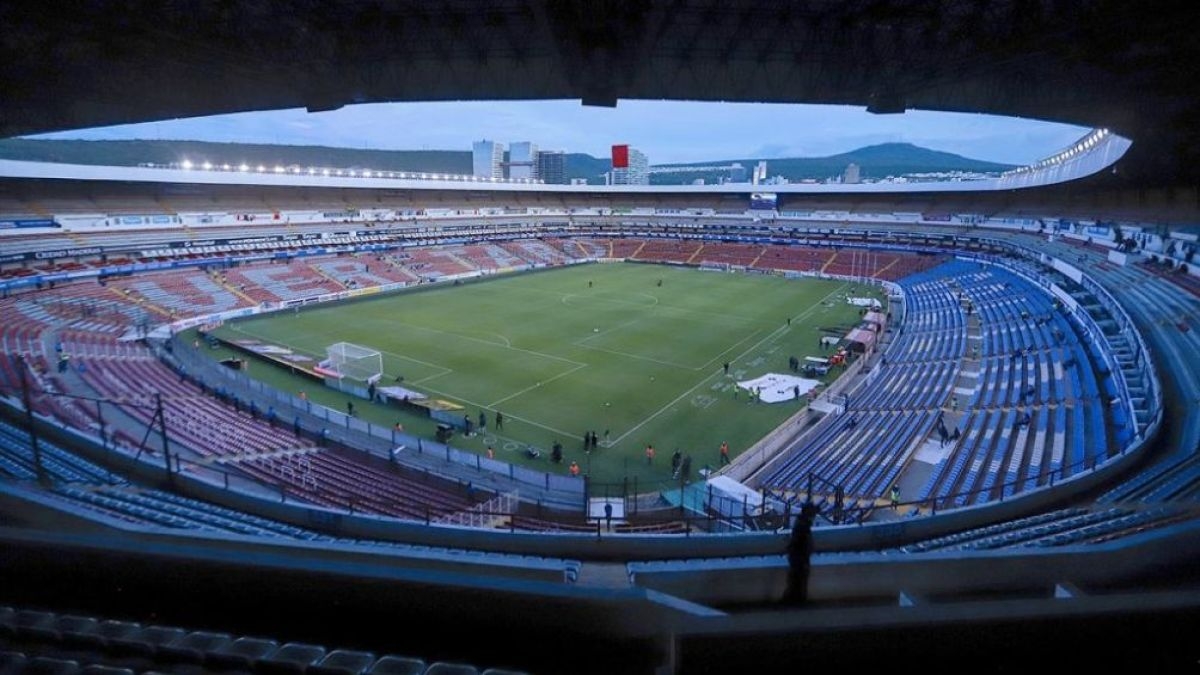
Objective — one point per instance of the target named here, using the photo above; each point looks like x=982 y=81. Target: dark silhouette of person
x=799 y=554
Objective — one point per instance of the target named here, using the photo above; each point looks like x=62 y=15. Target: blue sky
x=667 y=131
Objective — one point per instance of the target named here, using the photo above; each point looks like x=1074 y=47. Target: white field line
x=582 y=343
x=487 y=342
x=579 y=343
x=635 y=356
x=447 y=371
x=535 y=386
x=507 y=416
x=728 y=349
x=656 y=304
x=312 y=336
x=753 y=347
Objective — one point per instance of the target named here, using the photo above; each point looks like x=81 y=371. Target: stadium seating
x=668 y=250
x=61 y=466
x=181 y=293
x=1067 y=433
x=331 y=479
x=275 y=282
x=1056 y=528
x=35 y=642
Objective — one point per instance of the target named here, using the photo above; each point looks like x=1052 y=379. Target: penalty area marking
x=313 y=336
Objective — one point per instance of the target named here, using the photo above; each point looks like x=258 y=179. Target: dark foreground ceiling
x=1128 y=66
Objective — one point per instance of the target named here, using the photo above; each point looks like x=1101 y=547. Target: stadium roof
x=302 y=177
x=1128 y=67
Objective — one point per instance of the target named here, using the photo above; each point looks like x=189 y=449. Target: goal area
x=345 y=360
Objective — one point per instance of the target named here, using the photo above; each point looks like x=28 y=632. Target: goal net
x=353 y=362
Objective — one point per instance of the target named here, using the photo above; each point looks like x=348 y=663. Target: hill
x=132 y=153
x=875 y=161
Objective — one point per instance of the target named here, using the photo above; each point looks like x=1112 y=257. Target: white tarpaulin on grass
x=863 y=302
x=777 y=387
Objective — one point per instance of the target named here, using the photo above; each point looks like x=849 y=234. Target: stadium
x=275 y=420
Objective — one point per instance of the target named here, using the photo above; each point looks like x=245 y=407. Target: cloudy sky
x=667 y=131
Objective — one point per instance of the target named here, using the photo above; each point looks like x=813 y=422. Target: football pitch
x=634 y=352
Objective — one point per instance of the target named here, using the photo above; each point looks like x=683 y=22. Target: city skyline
x=667 y=131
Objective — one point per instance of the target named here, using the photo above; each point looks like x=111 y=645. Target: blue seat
x=397 y=665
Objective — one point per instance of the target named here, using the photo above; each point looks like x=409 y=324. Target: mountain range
x=876 y=161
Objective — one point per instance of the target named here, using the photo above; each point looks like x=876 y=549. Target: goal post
x=353 y=362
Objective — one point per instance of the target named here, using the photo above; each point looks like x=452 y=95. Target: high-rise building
x=629 y=166
x=551 y=167
x=522 y=160
x=760 y=173
x=852 y=174
x=487 y=159
x=737 y=173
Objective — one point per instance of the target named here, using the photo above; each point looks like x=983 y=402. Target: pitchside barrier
x=341 y=425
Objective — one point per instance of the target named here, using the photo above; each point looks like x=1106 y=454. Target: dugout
x=860 y=340
x=876 y=320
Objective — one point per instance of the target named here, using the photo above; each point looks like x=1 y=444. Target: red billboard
x=620 y=156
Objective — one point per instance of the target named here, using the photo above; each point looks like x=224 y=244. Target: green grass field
x=559 y=357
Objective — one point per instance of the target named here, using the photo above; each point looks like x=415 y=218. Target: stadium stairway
x=232 y=289
x=317 y=269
